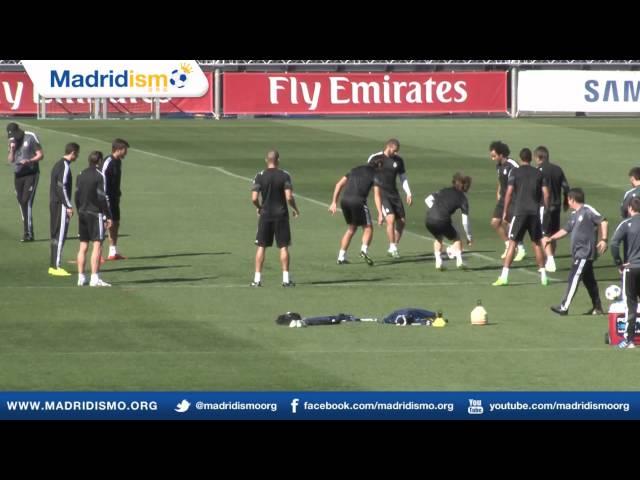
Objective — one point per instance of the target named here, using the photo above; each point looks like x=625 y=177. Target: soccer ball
x=612 y=292
x=178 y=78
x=450 y=252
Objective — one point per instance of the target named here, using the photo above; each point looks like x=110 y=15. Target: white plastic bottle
x=479 y=315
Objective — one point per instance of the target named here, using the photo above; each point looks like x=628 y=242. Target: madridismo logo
x=116 y=78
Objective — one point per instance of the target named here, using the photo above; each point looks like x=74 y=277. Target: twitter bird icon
x=183 y=406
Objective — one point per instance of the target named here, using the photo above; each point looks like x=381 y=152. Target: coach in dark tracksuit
x=629 y=232
x=24 y=154
x=60 y=206
x=583 y=225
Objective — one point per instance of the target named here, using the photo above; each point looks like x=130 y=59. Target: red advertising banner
x=17 y=97
x=16 y=94
x=364 y=93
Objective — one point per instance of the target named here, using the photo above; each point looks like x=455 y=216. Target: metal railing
x=505 y=63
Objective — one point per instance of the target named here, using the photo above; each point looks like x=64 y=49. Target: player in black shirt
x=558 y=186
x=499 y=152
x=529 y=187
x=112 y=171
x=275 y=187
x=391 y=167
x=60 y=206
x=93 y=216
x=442 y=205
x=356 y=184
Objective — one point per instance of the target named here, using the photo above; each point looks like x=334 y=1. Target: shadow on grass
x=499 y=267
x=169 y=255
x=348 y=280
x=139 y=269
x=164 y=280
x=404 y=259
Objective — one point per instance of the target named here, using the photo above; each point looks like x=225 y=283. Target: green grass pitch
x=181 y=316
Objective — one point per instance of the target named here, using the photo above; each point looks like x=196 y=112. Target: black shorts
x=497 y=212
x=91 y=227
x=115 y=209
x=522 y=223
x=355 y=213
x=442 y=229
x=270 y=227
x=551 y=222
x=392 y=205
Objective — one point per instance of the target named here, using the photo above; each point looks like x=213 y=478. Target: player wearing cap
x=25 y=153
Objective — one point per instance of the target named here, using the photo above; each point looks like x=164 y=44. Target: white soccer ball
x=178 y=78
x=450 y=253
x=613 y=292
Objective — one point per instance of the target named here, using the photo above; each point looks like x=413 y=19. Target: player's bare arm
x=377 y=195
x=604 y=235
x=407 y=190
x=546 y=196
x=556 y=236
x=255 y=199
x=507 y=202
x=291 y=200
x=38 y=156
x=336 y=194
x=12 y=151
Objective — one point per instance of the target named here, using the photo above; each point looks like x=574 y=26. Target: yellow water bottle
x=439 y=321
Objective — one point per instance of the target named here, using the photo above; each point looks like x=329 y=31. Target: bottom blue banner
x=320 y=406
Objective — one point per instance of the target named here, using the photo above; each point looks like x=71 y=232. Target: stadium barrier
x=364 y=88
x=569 y=91
x=364 y=93
x=17 y=97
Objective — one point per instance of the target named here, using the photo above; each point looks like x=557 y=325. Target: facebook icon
x=294 y=404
